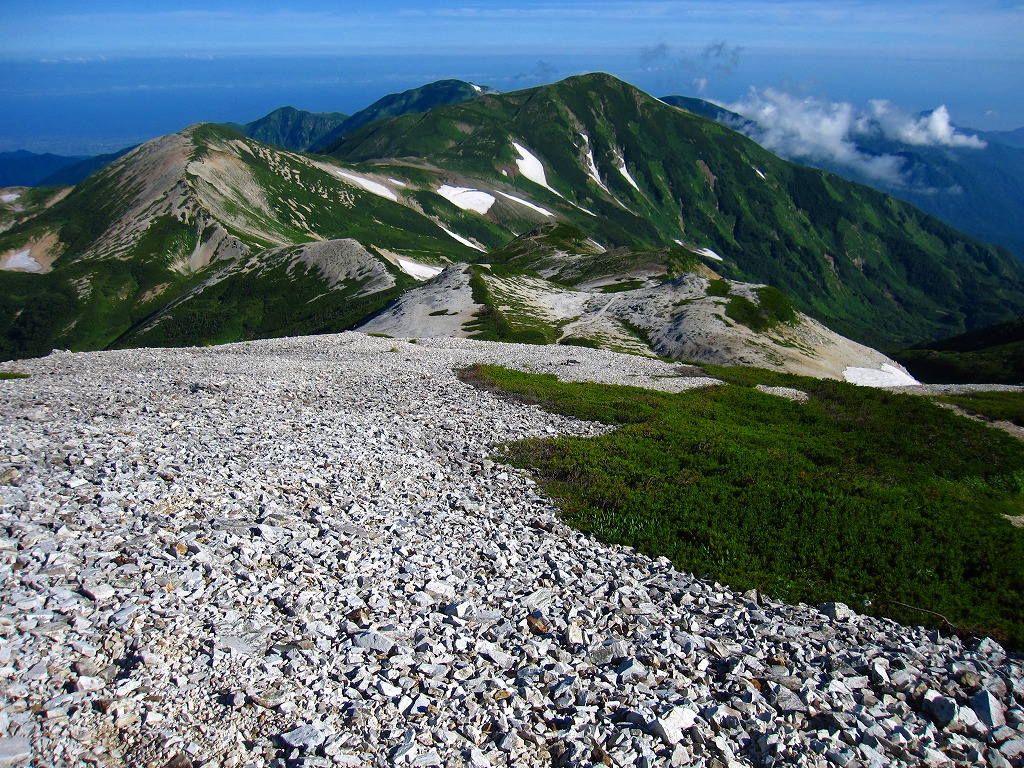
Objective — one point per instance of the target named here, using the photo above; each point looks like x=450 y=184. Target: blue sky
x=118 y=71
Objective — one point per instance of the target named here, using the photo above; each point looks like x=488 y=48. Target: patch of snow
x=504 y=172
x=467 y=199
x=624 y=171
x=477 y=88
x=397 y=182
x=532 y=168
x=601 y=247
x=417 y=270
x=527 y=203
x=23 y=262
x=591 y=165
x=758 y=172
x=370 y=186
x=886 y=376
x=707 y=252
x=10 y=197
x=462 y=240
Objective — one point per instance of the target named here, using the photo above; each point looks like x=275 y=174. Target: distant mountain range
x=975 y=190
x=286 y=127
x=581 y=212
x=28 y=169
x=290 y=128
x=992 y=355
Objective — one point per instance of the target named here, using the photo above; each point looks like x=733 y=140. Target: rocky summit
x=298 y=552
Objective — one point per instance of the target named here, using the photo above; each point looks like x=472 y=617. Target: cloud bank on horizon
x=833 y=132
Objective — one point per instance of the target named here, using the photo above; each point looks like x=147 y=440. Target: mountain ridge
x=589 y=186
x=290 y=128
x=641 y=208
x=22 y=168
x=413 y=101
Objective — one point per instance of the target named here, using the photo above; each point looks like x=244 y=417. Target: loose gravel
x=298 y=552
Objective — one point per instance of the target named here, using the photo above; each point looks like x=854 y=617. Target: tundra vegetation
x=883 y=501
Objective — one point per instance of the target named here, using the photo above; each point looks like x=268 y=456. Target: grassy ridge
x=861 y=496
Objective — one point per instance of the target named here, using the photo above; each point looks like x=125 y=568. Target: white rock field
x=298 y=552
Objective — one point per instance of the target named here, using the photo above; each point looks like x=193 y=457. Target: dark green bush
x=858 y=495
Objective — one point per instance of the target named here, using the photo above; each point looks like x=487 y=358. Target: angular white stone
x=88 y=684
x=989 y=709
x=672 y=726
x=304 y=737
x=99 y=592
x=14 y=751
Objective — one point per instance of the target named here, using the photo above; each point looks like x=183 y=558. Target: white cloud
x=823 y=131
x=931 y=130
x=814 y=130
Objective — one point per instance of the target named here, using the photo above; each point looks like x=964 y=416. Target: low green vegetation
x=625 y=285
x=771 y=309
x=718 y=288
x=579 y=341
x=879 y=500
x=4 y=375
x=999 y=365
x=492 y=324
x=998 y=406
x=991 y=355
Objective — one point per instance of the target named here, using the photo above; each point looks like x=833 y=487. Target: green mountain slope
x=192 y=239
x=291 y=128
x=992 y=355
x=415 y=100
x=632 y=171
x=976 y=190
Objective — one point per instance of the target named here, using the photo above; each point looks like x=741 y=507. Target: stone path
x=297 y=552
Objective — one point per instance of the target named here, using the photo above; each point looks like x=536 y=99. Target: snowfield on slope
x=466 y=198
x=21 y=261
x=369 y=185
x=621 y=165
x=418 y=270
x=591 y=168
x=885 y=376
x=532 y=168
x=461 y=239
x=526 y=203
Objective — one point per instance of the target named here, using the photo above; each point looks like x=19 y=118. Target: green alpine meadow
x=883 y=501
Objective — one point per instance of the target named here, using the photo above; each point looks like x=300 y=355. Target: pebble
x=304 y=552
